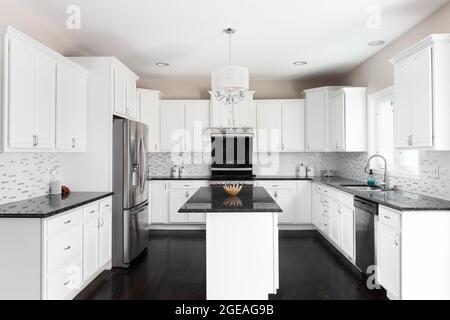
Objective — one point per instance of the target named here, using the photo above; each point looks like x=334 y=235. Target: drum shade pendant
x=230 y=83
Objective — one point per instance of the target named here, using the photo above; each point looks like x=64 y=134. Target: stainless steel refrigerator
x=130 y=199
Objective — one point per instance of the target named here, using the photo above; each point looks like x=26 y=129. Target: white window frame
x=373 y=137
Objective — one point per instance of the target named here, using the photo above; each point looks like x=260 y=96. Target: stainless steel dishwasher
x=365 y=214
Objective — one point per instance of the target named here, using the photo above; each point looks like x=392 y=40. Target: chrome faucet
x=385 y=184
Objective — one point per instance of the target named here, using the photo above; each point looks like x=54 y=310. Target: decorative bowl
x=232 y=189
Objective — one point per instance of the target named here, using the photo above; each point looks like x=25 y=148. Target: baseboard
x=177 y=227
x=287 y=227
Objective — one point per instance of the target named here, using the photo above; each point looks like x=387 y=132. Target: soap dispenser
x=55 y=184
x=371 y=180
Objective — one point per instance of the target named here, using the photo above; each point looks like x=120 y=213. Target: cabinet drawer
x=64 y=248
x=278 y=185
x=389 y=218
x=91 y=212
x=187 y=185
x=65 y=283
x=64 y=222
x=105 y=205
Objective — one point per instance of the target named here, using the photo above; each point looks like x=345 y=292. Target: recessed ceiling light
x=376 y=43
x=162 y=64
x=300 y=63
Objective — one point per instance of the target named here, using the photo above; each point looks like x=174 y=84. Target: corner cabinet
x=422 y=97
x=44 y=97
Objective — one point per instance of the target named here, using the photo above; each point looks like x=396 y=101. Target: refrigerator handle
x=142 y=167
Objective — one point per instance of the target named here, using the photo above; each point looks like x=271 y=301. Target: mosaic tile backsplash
x=25 y=175
x=197 y=164
x=351 y=165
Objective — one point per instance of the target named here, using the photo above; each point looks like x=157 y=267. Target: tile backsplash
x=25 y=175
x=351 y=165
x=197 y=164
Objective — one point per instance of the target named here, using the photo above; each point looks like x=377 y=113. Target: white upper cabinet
x=148 y=108
x=71 y=108
x=280 y=125
x=45 y=97
x=197 y=125
x=125 y=94
x=317 y=120
x=422 y=97
x=268 y=125
x=348 y=119
x=173 y=124
x=240 y=115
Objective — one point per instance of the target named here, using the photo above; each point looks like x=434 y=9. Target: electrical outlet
x=434 y=172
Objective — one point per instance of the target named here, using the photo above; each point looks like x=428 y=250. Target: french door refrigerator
x=130 y=199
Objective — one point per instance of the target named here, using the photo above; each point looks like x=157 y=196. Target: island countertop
x=214 y=199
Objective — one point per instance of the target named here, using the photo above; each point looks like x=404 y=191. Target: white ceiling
x=330 y=34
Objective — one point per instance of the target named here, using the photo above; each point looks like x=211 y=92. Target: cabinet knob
x=74 y=143
x=275 y=194
x=187 y=195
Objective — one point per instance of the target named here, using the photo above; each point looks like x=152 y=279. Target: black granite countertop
x=214 y=199
x=47 y=206
x=397 y=200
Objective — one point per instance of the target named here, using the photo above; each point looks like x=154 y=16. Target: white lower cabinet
x=177 y=199
x=348 y=231
x=286 y=199
x=77 y=246
x=388 y=259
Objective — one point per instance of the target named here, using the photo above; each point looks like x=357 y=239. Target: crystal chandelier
x=230 y=83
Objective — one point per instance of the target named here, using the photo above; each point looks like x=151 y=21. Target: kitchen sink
x=364 y=188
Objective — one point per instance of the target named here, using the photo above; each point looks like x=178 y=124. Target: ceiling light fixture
x=376 y=43
x=300 y=63
x=162 y=64
x=230 y=83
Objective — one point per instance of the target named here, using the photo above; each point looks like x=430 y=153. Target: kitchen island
x=241 y=242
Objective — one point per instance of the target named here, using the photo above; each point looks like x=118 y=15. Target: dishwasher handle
x=366 y=205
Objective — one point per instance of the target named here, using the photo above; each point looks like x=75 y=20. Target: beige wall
x=377 y=73
x=264 y=89
x=25 y=20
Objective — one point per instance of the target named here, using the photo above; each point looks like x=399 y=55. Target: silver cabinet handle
x=387 y=217
x=67 y=282
x=396 y=240
x=102 y=222
x=107 y=206
x=67 y=248
x=187 y=194
x=74 y=143
x=34 y=140
x=275 y=194
x=93 y=211
x=67 y=222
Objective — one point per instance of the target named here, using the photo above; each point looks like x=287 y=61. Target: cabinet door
x=173 y=124
x=293 y=119
x=105 y=237
x=159 y=203
x=269 y=125
x=20 y=95
x=71 y=109
x=286 y=199
x=402 y=110
x=317 y=210
x=348 y=231
x=149 y=109
x=388 y=259
x=120 y=90
x=245 y=114
x=422 y=99
x=315 y=121
x=335 y=222
x=337 y=122
x=45 y=101
x=90 y=248
x=177 y=199
x=131 y=97
x=303 y=213
x=197 y=125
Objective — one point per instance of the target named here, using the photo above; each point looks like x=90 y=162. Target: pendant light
x=230 y=83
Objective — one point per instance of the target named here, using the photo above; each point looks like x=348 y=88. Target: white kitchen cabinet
x=120 y=90
x=421 y=95
x=348 y=230
x=303 y=212
x=388 y=258
x=149 y=108
x=71 y=108
x=317 y=206
x=173 y=126
x=131 y=93
x=239 y=115
x=177 y=199
x=280 y=125
x=348 y=112
x=268 y=115
x=197 y=125
x=335 y=221
x=287 y=200
x=159 y=202
x=105 y=237
x=293 y=126
x=90 y=248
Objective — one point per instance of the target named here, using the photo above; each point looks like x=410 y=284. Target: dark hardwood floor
x=174 y=268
